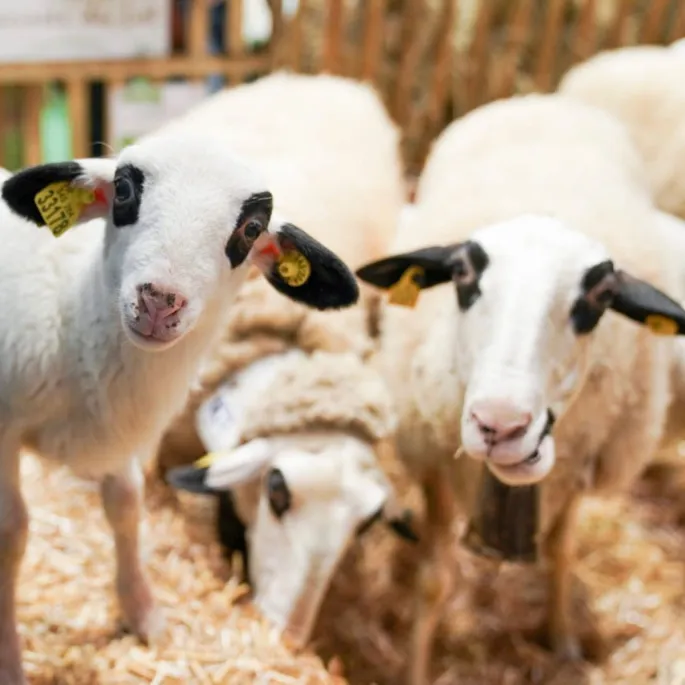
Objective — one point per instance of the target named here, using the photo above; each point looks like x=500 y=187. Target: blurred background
x=82 y=77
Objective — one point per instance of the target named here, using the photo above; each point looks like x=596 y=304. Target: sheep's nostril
x=498 y=428
x=158 y=303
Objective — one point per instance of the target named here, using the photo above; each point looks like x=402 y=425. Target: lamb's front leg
x=122 y=500
x=13 y=532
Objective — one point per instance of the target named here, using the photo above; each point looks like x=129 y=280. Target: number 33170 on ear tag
x=406 y=291
x=60 y=204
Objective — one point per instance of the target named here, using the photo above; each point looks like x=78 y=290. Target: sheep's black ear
x=647 y=305
x=189 y=478
x=303 y=269
x=431 y=267
x=405 y=275
x=61 y=195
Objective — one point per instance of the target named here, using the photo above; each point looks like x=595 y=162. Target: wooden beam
x=42 y=72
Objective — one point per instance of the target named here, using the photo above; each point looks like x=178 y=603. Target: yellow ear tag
x=60 y=204
x=406 y=291
x=661 y=325
x=204 y=462
x=294 y=268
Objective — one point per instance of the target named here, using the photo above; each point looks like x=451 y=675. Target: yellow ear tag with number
x=661 y=325
x=294 y=268
x=204 y=462
x=60 y=204
x=406 y=291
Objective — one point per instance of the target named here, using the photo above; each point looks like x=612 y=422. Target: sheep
x=644 y=87
x=103 y=327
x=535 y=211
x=278 y=361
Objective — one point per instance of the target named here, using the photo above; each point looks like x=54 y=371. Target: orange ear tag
x=406 y=291
x=661 y=325
x=60 y=204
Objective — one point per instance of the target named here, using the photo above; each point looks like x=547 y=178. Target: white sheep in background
x=532 y=214
x=305 y=411
x=103 y=327
x=644 y=87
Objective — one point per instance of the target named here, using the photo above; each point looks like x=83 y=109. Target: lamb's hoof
x=141 y=615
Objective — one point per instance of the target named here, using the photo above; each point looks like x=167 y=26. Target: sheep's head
x=530 y=295
x=303 y=498
x=184 y=220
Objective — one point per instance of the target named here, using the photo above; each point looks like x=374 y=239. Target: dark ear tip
x=187 y=478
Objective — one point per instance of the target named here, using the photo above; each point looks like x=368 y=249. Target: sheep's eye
x=279 y=495
x=123 y=189
x=253 y=229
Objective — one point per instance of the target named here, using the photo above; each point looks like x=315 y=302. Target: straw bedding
x=631 y=550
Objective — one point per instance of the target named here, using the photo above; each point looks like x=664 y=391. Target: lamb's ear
x=406 y=274
x=430 y=266
x=62 y=194
x=642 y=302
x=303 y=269
x=218 y=471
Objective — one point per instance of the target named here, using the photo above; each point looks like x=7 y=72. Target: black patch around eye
x=471 y=259
x=259 y=207
x=232 y=531
x=19 y=191
x=126 y=205
x=584 y=317
x=278 y=492
x=595 y=274
x=585 y=314
x=478 y=256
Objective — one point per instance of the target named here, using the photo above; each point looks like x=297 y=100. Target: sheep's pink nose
x=159 y=304
x=500 y=421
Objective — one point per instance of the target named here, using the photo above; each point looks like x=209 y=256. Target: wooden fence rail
x=430 y=59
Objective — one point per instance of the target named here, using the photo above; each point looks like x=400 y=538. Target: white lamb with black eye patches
x=530 y=357
x=103 y=328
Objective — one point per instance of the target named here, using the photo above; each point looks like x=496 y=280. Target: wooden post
x=32 y=101
x=79 y=116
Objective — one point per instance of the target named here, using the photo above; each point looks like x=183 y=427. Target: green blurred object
x=12 y=129
x=55 y=131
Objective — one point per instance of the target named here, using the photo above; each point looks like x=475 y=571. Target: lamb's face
x=312 y=503
x=183 y=223
x=522 y=325
x=303 y=499
x=185 y=218
x=530 y=294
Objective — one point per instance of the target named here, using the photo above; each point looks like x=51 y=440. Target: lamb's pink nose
x=157 y=306
x=499 y=421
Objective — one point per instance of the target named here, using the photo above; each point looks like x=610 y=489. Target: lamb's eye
x=253 y=229
x=278 y=493
x=123 y=190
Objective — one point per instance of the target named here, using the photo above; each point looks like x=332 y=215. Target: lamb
x=294 y=456
x=644 y=87
x=103 y=327
x=535 y=211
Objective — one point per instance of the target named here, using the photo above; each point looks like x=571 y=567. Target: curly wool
x=322 y=392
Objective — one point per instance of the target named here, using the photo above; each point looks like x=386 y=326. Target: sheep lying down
x=103 y=327
x=535 y=345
